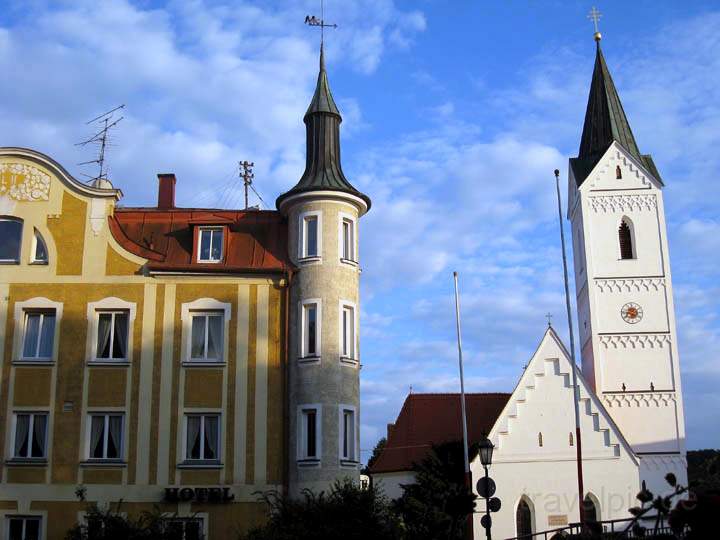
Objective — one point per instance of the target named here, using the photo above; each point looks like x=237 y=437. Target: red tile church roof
x=256 y=242
x=427 y=419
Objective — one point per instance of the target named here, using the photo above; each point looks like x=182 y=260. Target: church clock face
x=631 y=313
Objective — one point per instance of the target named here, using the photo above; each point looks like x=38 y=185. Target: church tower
x=323 y=212
x=626 y=315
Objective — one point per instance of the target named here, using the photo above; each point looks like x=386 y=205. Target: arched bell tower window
x=524 y=519
x=618 y=172
x=625 y=239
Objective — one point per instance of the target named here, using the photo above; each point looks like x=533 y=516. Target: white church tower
x=626 y=315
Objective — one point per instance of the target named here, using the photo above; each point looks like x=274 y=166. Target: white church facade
x=629 y=391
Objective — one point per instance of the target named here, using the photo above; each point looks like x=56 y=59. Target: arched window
x=540 y=441
x=10 y=240
x=592 y=514
x=625 y=239
x=524 y=520
x=571 y=439
x=40 y=252
x=618 y=172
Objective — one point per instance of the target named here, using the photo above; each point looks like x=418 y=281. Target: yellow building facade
x=105 y=383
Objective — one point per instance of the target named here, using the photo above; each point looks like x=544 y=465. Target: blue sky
x=455 y=114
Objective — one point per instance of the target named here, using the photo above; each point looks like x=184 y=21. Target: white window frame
x=304 y=357
x=24 y=517
x=94 y=309
x=43 y=313
x=183 y=514
x=33 y=413
x=344 y=217
x=350 y=459
x=33 y=250
x=199 y=307
x=88 y=435
x=351 y=359
x=302 y=236
x=202 y=414
x=22 y=235
x=212 y=230
x=302 y=456
x=202 y=518
x=34 y=304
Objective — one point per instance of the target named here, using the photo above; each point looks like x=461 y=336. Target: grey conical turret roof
x=323 y=171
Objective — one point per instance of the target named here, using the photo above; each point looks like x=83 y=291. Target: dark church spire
x=605 y=123
x=323 y=171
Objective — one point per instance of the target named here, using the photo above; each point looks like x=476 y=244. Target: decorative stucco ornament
x=22 y=182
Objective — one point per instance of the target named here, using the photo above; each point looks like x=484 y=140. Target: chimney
x=166 y=191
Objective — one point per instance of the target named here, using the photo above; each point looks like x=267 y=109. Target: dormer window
x=210 y=244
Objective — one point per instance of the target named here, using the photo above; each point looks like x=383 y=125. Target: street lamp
x=486 y=452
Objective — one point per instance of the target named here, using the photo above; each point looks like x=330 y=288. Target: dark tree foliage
x=382 y=443
x=704 y=471
x=113 y=524
x=346 y=512
x=437 y=505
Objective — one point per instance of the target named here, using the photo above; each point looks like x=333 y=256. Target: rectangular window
x=112 y=335
x=184 y=528
x=210 y=245
x=202 y=437
x=23 y=528
x=30 y=436
x=310 y=330
x=348 y=434
x=39 y=335
x=106 y=436
x=310 y=236
x=347 y=235
x=348 y=332
x=309 y=433
x=10 y=240
x=206 y=340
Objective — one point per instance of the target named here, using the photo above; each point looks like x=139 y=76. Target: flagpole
x=468 y=480
x=576 y=389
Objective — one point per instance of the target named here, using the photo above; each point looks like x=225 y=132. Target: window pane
x=22 y=431
x=15 y=529
x=311 y=433
x=114 y=437
x=205 y=238
x=10 y=237
x=32 y=529
x=103 y=337
x=210 y=443
x=120 y=336
x=97 y=436
x=216 y=252
x=40 y=254
x=193 y=529
x=193 y=437
x=215 y=337
x=32 y=334
x=38 y=435
x=47 y=335
x=311 y=314
x=197 y=348
x=311 y=237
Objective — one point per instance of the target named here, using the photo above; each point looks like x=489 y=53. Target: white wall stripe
x=142 y=470
x=166 y=368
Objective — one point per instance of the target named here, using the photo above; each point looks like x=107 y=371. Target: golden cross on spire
x=549 y=317
x=595 y=17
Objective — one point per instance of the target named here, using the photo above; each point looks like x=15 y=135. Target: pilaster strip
x=250 y=397
x=241 y=383
x=166 y=370
x=142 y=473
x=261 y=385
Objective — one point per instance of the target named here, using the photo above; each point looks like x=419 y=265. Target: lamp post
x=486 y=452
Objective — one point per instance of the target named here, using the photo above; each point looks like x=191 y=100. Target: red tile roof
x=256 y=242
x=427 y=419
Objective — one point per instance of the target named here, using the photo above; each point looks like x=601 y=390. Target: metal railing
x=609 y=529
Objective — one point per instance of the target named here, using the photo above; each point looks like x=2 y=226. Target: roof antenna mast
x=247 y=175
x=312 y=20
x=100 y=138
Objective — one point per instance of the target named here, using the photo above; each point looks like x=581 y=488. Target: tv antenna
x=312 y=20
x=106 y=122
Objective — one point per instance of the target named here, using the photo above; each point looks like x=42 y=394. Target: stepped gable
x=427 y=419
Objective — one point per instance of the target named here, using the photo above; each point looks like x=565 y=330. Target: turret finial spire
x=595 y=16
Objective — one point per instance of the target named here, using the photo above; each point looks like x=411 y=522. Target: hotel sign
x=200 y=494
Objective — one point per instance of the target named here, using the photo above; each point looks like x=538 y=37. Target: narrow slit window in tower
x=625 y=239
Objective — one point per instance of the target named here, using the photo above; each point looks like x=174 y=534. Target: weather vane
x=549 y=317
x=312 y=20
x=595 y=17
